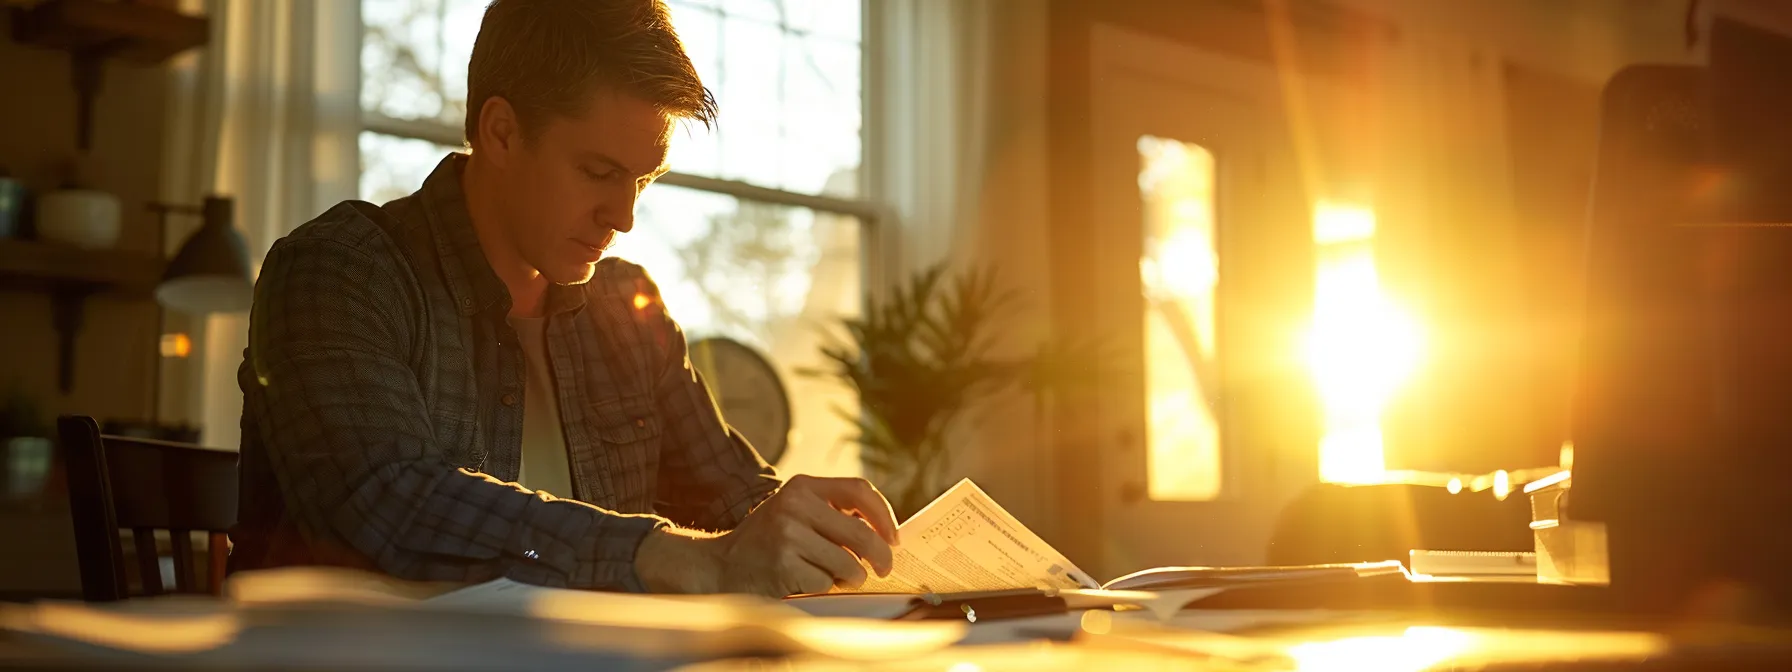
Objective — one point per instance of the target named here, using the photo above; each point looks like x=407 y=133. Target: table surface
x=1410 y=626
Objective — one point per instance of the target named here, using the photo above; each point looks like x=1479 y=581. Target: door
x=1205 y=264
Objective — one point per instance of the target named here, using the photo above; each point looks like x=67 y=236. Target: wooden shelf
x=93 y=32
x=69 y=275
x=139 y=33
x=41 y=266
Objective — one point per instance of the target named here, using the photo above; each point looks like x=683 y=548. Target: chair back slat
x=181 y=541
x=167 y=485
x=217 y=559
x=149 y=569
x=145 y=486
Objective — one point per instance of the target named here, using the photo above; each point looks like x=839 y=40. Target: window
x=757 y=234
x=1180 y=274
x=1361 y=347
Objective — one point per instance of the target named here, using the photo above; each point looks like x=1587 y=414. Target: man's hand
x=806 y=538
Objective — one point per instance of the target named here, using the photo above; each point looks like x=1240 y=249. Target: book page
x=964 y=542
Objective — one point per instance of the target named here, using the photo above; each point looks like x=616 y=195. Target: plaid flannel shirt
x=383 y=410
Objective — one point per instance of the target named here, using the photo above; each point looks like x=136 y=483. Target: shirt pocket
x=458 y=439
x=627 y=452
x=626 y=421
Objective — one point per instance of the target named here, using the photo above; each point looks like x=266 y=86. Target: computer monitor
x=1683 y=416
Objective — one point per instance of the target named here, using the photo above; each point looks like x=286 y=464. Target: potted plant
x=922 y=364
x=25 y=435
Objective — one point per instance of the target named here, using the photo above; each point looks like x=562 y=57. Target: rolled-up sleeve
x=351 y=443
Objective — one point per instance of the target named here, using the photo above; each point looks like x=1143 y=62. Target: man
x=407 y=362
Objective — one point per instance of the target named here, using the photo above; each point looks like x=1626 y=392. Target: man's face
x=569 y=191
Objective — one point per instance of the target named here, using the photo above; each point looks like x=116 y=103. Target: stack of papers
x=1163 y=578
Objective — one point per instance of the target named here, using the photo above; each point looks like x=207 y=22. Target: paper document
x=1473 y=563
x=963 y=541
x=1162 y=578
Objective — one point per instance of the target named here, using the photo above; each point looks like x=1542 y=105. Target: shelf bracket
x=68 y=312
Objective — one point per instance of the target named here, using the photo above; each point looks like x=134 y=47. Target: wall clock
x=747 y=388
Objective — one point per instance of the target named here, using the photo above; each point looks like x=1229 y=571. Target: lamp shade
x=210 y=274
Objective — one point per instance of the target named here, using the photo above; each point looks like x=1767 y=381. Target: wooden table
x=1537 y=630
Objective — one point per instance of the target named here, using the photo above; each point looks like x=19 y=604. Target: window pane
x=773 y=277
x=1361 y=347
x=393 y=167
x=786 y=76
x=1180 y=275
x=414 y=57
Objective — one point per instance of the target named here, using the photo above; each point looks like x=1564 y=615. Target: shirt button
x=640 y=422
x=508 y=399
x=466 y=302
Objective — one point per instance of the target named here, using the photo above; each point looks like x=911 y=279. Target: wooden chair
x=121 y=483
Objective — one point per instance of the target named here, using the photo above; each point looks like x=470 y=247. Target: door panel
x=1193 y=164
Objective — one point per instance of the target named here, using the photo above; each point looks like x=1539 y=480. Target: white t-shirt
x=544 y=464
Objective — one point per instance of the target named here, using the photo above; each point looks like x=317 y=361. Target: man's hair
x=547 y=56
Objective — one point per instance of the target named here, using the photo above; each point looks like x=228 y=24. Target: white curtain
x=930 y=59
x=268 y=114
x=959 y=156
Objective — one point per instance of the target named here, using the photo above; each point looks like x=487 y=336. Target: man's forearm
x=423 y=518
x=675 y=560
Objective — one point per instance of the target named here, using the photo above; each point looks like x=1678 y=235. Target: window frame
x=872 y=215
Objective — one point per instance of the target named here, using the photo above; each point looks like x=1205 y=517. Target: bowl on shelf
x=85 y=218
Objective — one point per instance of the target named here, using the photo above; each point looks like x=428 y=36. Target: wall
x=117 y=348
x=1552 y=129
x=115 y=351
x=1554 y=56
x=1003 y=454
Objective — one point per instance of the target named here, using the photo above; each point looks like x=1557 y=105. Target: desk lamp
x=210 y=274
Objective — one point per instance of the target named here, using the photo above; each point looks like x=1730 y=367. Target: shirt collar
x=471 y=281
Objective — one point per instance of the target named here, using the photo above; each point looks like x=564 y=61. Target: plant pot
x=27 y=466
x=12 y=206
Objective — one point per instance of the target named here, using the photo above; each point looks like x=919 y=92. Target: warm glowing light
x=641 y=611
x=1419 y=648
x=1361 y=347
x=166 y=633
x=965 y=666
x=176 y=346
x=867 y=639
x=1455 y=486
x=1334 y=224
x=1502 y=485
x=1183 y=265
x=1179 y=273
x=1567 y=455
x=1098 y=622
x=641 y=301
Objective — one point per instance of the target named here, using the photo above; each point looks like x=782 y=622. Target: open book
x=964 y=542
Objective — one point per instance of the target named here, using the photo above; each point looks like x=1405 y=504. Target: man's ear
x=499 y=131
